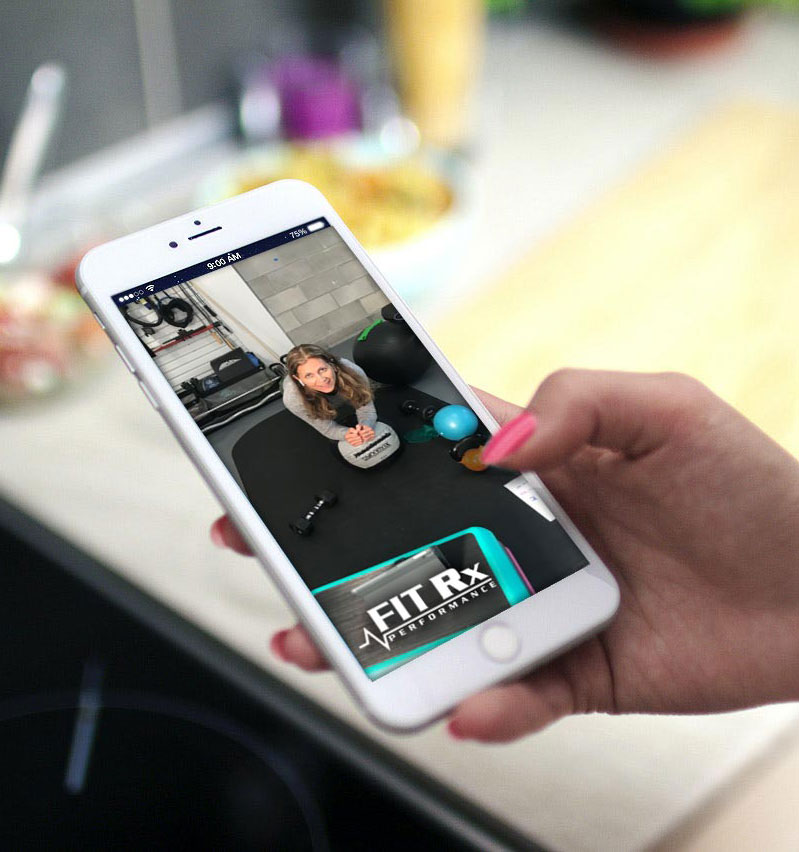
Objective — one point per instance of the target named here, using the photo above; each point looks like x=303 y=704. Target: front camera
x=197 y=222
x=173 y=244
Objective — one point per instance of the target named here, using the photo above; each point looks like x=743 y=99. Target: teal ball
x=455 y=422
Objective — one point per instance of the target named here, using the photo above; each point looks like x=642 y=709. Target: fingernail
x=454 y=731
x=278 y=645
x=216 y=535
x=509 y=438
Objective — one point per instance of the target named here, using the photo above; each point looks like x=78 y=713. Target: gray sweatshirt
x=292 y=399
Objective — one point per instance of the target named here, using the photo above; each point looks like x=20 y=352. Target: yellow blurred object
x=436 y=49
x=691 y=265
x=381 y=205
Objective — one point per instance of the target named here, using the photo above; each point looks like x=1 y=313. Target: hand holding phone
x=424 y=577
x=613 y=446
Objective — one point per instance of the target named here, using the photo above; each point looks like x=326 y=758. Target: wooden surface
x=691 y=265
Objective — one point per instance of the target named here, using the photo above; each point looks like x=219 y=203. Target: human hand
x=366 y=432
x=694 y=509
x=292 y=645
x=354 y=437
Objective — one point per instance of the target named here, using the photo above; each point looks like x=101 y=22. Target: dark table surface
x=124 y=726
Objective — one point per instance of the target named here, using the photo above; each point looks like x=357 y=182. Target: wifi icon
x=150 y=287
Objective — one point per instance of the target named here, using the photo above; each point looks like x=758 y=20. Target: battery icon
x=315 y=226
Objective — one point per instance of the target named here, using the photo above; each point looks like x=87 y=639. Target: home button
x=500 y=642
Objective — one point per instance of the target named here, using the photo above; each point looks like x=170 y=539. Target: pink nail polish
x=216 y=535
x=453 y=729
x=509 y=438
x=278 y=645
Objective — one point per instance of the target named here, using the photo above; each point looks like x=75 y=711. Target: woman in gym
x=331 y=394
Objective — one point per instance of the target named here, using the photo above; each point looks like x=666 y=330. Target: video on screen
x=356 y=450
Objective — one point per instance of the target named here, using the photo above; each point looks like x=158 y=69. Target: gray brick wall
x=315 y=288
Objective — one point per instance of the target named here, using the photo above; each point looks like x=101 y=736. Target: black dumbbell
x=304 y=525
x=411 y=406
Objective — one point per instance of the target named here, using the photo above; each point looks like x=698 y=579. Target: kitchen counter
x=100 y=467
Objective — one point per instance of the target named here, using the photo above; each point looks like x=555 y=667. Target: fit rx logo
x=411 y=609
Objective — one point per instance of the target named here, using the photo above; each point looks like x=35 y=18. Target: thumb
x=631 y=413
x=502 y=410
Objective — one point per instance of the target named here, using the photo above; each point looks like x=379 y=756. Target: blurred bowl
x=416 y=255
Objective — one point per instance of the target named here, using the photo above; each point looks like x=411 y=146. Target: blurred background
x=592 y=183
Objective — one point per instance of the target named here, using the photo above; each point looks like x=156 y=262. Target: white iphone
x=346 y=449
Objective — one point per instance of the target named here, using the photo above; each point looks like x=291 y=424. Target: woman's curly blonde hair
x=348 y=383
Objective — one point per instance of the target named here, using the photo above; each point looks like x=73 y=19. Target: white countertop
x=100 y=467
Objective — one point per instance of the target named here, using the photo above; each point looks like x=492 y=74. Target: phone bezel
x=427 y=687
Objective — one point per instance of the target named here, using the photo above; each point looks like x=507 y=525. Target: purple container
x=317 y=99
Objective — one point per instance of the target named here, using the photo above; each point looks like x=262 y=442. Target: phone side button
x=99 y=321
x=124 y=359
x=150 y=397
x=500 y=643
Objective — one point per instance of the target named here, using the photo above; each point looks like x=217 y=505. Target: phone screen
x=356 y=450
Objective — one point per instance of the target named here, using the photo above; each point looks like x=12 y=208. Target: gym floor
x=419 y=496
x=433 y=382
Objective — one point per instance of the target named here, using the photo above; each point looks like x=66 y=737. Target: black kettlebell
x=389 y=352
